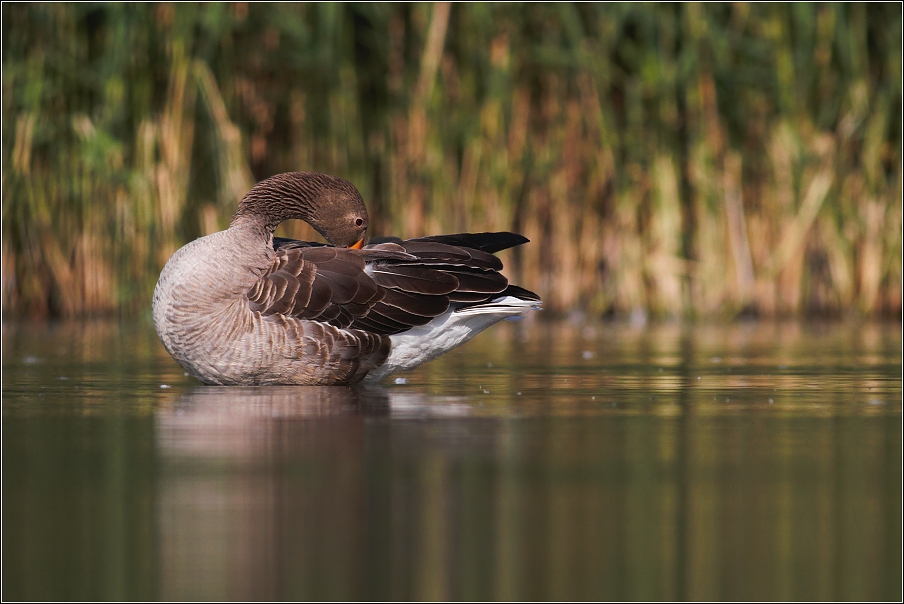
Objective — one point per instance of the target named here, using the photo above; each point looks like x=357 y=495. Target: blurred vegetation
x=674 y=159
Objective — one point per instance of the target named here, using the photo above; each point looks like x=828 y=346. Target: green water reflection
x=559 y=461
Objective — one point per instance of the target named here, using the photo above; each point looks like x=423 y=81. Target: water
x=540 y=461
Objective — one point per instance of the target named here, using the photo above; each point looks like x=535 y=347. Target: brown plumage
x=243 y=307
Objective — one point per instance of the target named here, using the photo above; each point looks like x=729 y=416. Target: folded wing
x=384 y=288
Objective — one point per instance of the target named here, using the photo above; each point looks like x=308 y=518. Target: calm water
x=540 y=461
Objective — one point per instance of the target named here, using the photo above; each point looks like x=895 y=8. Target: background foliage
x=667 y=159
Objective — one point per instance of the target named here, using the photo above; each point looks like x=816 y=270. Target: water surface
x=540 y=461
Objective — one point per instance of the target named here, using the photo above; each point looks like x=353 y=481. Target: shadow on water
x=542 y=462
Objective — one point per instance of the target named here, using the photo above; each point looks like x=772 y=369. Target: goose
x=242 y=307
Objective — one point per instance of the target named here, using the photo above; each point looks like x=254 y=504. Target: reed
x=663 y=159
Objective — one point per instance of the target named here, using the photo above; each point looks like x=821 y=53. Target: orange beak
x=357 y=246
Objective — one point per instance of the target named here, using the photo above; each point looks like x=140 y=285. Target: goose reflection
x=255 y=480
x=281 y=401
x=244 y=421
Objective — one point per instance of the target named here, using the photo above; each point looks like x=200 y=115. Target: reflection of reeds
x=670 y=159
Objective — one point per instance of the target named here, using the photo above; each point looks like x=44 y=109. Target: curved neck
x=276 y=199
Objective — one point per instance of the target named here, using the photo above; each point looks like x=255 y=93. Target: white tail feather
x=447 y=331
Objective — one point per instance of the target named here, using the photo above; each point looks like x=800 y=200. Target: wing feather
x=418 y=304
x=485 y=242
x=447 y=254
x=383 y=288
x=414 y=278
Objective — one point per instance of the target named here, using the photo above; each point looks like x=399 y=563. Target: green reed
x=673 y=159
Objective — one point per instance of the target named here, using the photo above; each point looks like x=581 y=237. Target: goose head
x=333 y=206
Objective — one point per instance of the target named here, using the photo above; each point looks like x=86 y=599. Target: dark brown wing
x=321 y=283
x=446 y=270
x=384 y=288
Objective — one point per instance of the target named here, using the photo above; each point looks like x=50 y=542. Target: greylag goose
x=244 y=307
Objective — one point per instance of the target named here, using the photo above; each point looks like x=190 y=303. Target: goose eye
x=359 y=222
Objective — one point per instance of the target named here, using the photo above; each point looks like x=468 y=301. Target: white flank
x=445 y=332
